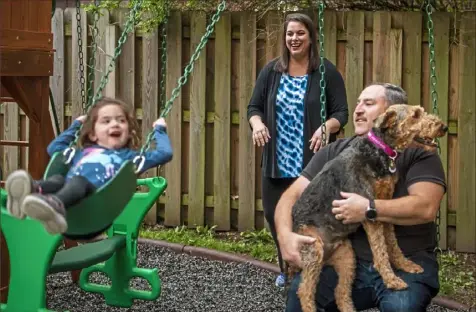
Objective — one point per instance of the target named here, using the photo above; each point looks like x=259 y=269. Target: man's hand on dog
x=350 y=209
x=290 y=245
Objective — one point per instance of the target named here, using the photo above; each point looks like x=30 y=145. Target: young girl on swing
x=108 y=138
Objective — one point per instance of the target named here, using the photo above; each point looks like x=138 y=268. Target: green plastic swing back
x=97 y=211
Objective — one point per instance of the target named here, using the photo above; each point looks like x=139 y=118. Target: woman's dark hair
x=92 y=117
x=282 y=65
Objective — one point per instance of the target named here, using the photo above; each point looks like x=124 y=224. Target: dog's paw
x=396 y=284
x=411 y=267
x=347 y=308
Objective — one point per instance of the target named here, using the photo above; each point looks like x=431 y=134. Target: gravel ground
x=189 y=284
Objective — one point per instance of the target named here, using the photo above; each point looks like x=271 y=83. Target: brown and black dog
x=367 y=169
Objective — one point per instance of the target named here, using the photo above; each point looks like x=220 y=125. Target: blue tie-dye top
x=290 y=124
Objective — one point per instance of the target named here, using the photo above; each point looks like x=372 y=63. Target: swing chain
x=164 y=56
x=82 y=80
x=117 y=51
x=147 y=95
x=322 y=70
x=92 y=61
x=187 y=71
x=129 y=26
x=139 y=166
x=69 y=154
x=148 y=87
x=434 y=97
x=431 y=41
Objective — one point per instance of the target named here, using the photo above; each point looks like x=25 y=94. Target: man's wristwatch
x=371 y=212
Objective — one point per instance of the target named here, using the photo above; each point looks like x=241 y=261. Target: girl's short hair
x=92 y=117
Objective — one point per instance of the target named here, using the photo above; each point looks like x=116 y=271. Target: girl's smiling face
x=111 y=129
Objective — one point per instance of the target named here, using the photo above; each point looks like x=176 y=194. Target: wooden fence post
x=222 y=124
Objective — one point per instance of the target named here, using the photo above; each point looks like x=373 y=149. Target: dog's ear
x=386 y=120
x=418 y=112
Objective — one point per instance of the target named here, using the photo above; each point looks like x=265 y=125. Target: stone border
x=231 y=257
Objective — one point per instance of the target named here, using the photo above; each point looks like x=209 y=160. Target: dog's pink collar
x=391 y=153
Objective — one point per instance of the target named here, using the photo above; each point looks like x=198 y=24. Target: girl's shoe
x=47 y=209
x=18 y=185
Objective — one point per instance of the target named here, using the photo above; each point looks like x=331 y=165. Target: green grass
x=455 y=277
x=257 y=244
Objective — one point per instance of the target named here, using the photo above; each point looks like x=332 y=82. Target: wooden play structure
x=26 y=51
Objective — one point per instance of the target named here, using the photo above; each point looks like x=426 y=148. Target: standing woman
x=284 y=113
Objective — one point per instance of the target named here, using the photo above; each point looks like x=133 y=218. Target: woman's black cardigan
x=263 y=104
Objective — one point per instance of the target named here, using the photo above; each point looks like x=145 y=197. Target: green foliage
x=263 y=236
x=452 y=278
x=206 y=231
x=149 y=17
x=258 y=245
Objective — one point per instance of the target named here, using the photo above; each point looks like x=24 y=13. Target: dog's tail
x=312 y=261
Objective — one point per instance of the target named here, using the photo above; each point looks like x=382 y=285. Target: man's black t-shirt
x=413 y=165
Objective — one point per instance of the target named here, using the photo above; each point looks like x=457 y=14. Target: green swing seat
x=33 y=255
x=96 y=212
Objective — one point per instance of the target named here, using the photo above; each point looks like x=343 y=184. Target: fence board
x=411 y=71
x=126 y=64
x=77 y=108
x=174 y=121
x=102 y=59
x=452 y=176
x=196 y=186
x=11 y=122
x=57 y=80
x=442 y=55
x=354 y=71
x=330 y=36
x=222 y=124
x=395 y=58
x=246 y=162
x=381 y=46
x=454 y=82
x=150 y=79
x=466 y=230
x=274 y=41
x=111 y=42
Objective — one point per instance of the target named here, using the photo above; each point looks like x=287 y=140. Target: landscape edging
x=232 y=257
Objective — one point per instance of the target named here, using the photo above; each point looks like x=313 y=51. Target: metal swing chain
x=70 y=151
x=188 y=70
x=92 y=61
x=322 y=70
x=434 y=97
x=117 y=51
x=433 y=79
x=164 y=56
x=82 y=79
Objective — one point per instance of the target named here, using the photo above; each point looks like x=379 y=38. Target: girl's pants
x=69 y=193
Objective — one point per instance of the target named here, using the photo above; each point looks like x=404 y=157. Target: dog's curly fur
x=431 y=128
x=362 y=168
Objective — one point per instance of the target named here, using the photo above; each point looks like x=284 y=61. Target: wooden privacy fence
x=214 y=177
